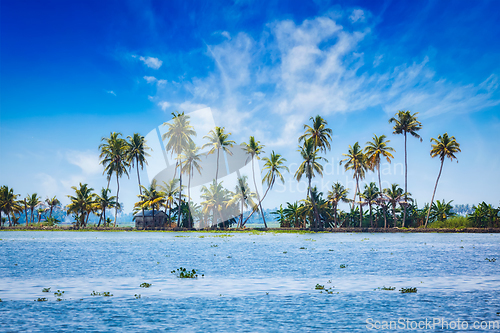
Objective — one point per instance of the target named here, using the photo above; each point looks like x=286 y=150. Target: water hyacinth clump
x=145 y=285
x=183 y=273
x=45 y=290
x=408 y=290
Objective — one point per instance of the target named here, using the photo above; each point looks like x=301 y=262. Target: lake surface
x=252 y=281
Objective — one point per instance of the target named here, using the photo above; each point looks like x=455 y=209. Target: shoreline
x=275 y=230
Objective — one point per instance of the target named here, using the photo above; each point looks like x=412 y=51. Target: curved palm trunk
x=406 y=186
x=258 y=196
x=433 y=193
x=189 y=199
x=139 y=180
x=32 y=208
x=107 y=188
x=180 y=196
x=10 y=223
x=359 y=197
x=380 y=189
x=117 y=200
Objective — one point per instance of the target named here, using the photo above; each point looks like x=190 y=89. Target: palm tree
x=179 y=135
x=82 y=204
x=254 y=149
x=441 y=210
x=394 y=194
x=9 y=203
x=406 y=123
x=280 y=213
x=32 y=202
x=375 y=150
x=170 y=190
x=336 y=195
x=443 y=147
x=244 y=196
x=114 y=159
x=150 y=198
x=218 y=140
x=319 y=133
x=355 y=160
x=52 y=203
x=309 y=166
x=216 y=198
x=292 y=213
x=103 y=202
x=191 y=157
x=370 y=194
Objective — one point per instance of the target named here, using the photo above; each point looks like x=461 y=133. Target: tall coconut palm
x=191 y=157
x=243 y=196
x=375 y=150
x=337 y=194
x=114 y=159
x=104 y=201
x=52 y=203
x=81 y=204
x=253 y=148
x=218 y=140
x=309 y=167
x=179 y=135
x=170 y=189
x=356 y=161
x=9 y=203
x=319 y=133
x=443 y=147
x=395 y=195
x=370 y=194
x=136 y=155
x=406 y=123
x=33 y=201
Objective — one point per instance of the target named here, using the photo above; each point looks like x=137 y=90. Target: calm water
x=252 y=282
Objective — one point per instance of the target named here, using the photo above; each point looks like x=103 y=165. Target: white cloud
x=87 y=161
x=226 y=34
x=111 y=92
x=151 y=62
x=150 y=79
x=357 y=15
x=164 y=105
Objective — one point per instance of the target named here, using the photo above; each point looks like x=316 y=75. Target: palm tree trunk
x=406 y=186
x=180 y=194
x=189 y=198
x=10 y=223
x=394 y=213
x=335 y=215
x=25 y=212
x=117 y=201
x=360 y=206
x=32 y=208
x=371 y=217
x=258 y=196
x=433 y=193
x=380 y=189
x=139 y=180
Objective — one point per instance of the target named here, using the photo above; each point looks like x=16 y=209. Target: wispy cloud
x=164 y=105
x=151 y=62
x=111 y=92
x=87 y=161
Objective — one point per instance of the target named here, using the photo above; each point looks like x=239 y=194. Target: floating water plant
x=214 y=245
x=137 y=296
x=302 y=248
x=310 y=239
x=343 y=266
x=59 y=299
x=45 y=290
x=59 y=293
x=386 y=288
x=285 y=252
x=491 y=260
x=319 y=287
x=95 y=293
x=107 y=294
x=145 y=285
x=408 y=290
x=41 y=299
x=183 y=273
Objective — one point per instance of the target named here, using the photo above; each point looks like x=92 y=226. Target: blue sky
x=72 y=72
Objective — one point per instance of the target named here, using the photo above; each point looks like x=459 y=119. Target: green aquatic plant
x=319 y=287
x=137 y=296
x=59 y=293
x=343 y=266
x=45 y=290
x=59 y=299
x=386 y=288
x=491 y=260
x=145 y=285
x=41 y=299
x=95 y=293
x=302 y=248
x=408 y=290
x=107 y=294
x=214 y=245
x=310 y=239
x=285 y=252
x=183 y=273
